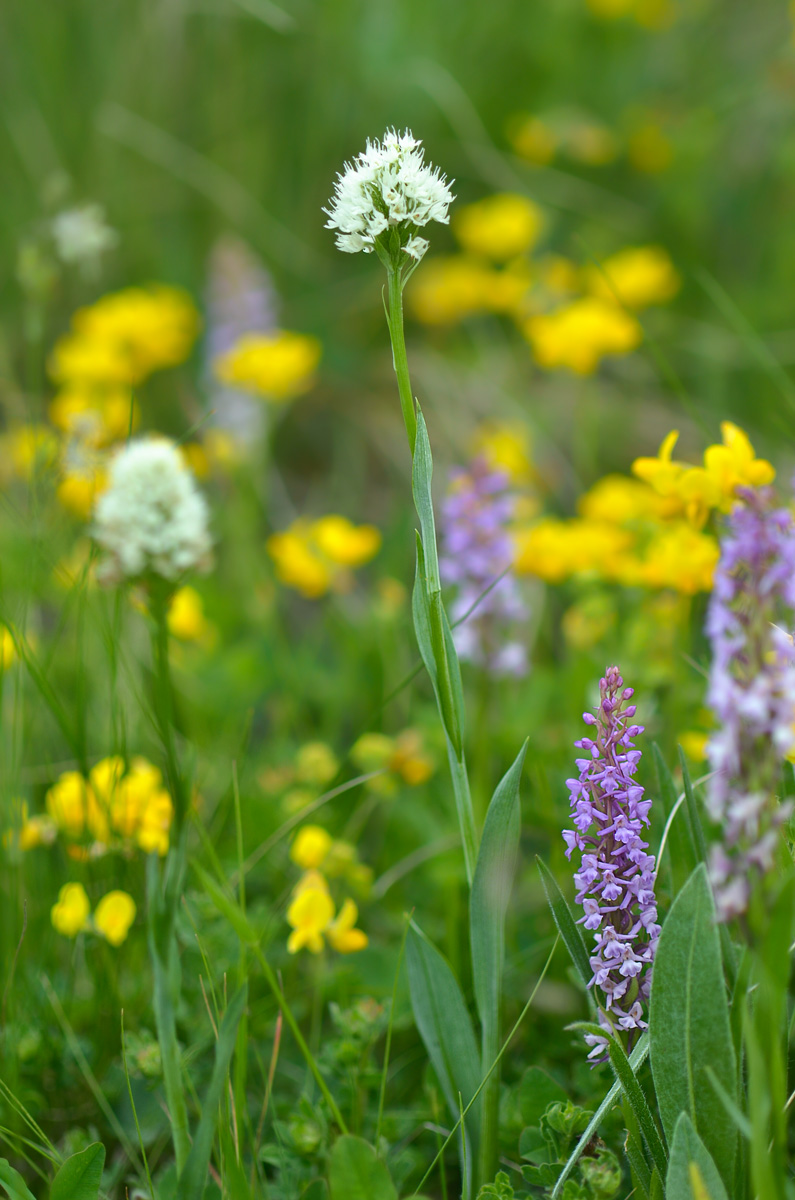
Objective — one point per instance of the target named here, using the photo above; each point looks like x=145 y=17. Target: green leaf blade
x=689 y=1027
x=79 y=1178
x=688 y=1150
x=356 y=1173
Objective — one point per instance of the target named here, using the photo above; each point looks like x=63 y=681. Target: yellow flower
x=186 y=619
x=341 y=932
x=155 y=823
x=81 y=361
x=277 y=365
x=555 y=549
x=70 y=913
x=451 y=289
x=35 y=831
x=316 y=763
x=98 y=416
x=344 y=543
x=409 y=760
x=499 y=227
x=580 y=334
x=727 y=467
x=311 y=556
x=25 y=450
x=637 y=276
x=662 y=472
x=679 y=557
x=534 y=140
x=309 y=914
x=297 y=562
x=505 y=448
x=620 y=500
x=74 y=808
x=141 y=808
x=150 y=328
x=77 y=492
x=694 y=744
x=113 y=917
x=310 y=847
x=8 y=650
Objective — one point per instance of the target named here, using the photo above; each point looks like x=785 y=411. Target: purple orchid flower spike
x=615 y=881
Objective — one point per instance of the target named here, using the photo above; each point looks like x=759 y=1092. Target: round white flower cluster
x=151 y=517
x=387 y=187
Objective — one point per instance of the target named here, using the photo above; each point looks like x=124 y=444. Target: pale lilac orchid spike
x=616 y=877
x=751 y=692
x=475 y=551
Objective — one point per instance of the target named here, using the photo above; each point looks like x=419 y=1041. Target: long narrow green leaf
x=445 y=1027
x=637 y=1162
x=683 y=858
x=688 y=1151
x=636 y=1059
x=566 y=923
x=194 y=1176
x=689 y=1025
x=640 y=1106
x=488 y=905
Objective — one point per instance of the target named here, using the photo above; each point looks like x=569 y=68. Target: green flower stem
x=399 y=359
x=164 y=888
x=442 y=647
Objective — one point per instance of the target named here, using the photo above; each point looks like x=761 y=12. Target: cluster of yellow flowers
x=581 y=138
x=571 y=317
x=112 y=347
x=113 y=916
x=277 y=366
x=315 y=557
x=117 y=807
x=402 y=759
x=647 y=531
x=312 y=910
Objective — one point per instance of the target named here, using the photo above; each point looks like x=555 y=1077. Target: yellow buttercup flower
x=620 y=500
x=579 y=335
x=310 y=847
x=98 y=416
x=637 y=277
x=73 y=807
x=313 y=556
x=662 y=472
x=341 y=932
x=694 y=743
x=506 y=448
x=277 y=365
x=186 y=619
x=448 y=290
x=70 y=913
x=8 y=650
x=151 y=327
x=113 y=917
x=78 y=360
x=555 y=549
x=309 y=914
x=679 y=557
x=499 y=227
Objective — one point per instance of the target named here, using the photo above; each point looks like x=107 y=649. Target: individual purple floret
x=241 y=299
x=476 y=549
x=751 y=692
x=615 y=882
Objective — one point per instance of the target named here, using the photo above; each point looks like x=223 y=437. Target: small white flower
x=388 y=186
x=81 y=235
x=151 y=517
